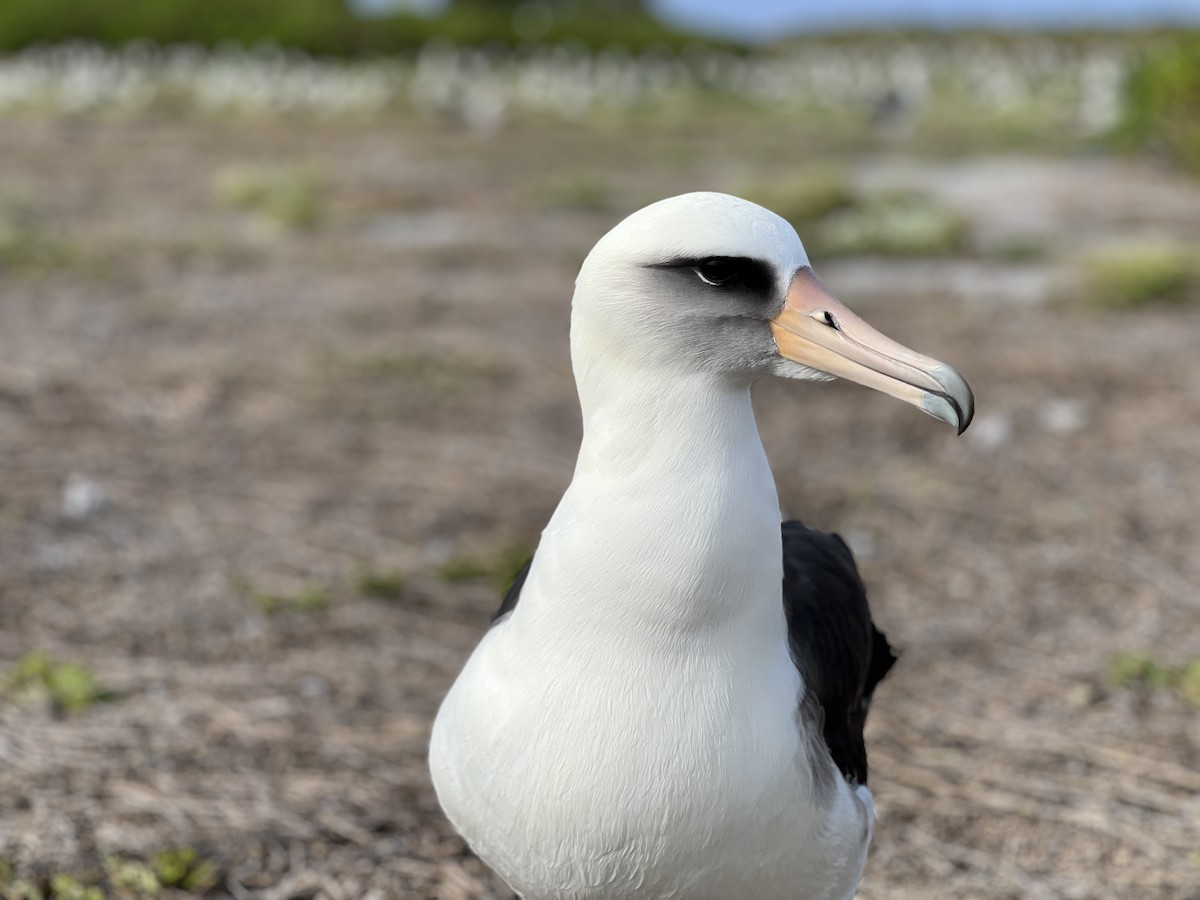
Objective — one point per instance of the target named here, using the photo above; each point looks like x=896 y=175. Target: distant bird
x=671 y=701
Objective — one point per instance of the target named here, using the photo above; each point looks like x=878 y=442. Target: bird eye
x=717 y=271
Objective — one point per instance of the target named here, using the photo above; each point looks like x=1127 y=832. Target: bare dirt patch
x=217 y=431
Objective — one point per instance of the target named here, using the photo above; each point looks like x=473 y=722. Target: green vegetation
x=69 y=687
x=1162 y=102
x=68 y=887
x=1023 y=250
x=836 y=219
x=463 y=568
x=1127 y=275
x=27 y=245
x=382 y=585
x=291 y=197
x=184 y=869
x=167 y=873
x=319 y=27
x=444 y=375
x=1139 y=669
x=131 y=877
x=500 y=570
x=313 y=598
x=804 y=196
x=579 y=191
x=892 y=224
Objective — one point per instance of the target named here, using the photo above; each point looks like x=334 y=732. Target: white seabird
x=671 y=700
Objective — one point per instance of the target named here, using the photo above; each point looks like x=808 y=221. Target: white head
x=710 y=286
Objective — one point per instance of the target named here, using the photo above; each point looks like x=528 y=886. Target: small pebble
x=1062 y=415
x=991 y=431
x=82 y=497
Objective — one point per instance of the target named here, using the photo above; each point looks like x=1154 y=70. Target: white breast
x=631 y=781
x=632 y=731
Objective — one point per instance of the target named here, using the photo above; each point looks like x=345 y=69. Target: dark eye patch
x=721 y=270
x=737 y=273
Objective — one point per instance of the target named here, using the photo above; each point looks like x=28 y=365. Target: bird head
x=712 y=285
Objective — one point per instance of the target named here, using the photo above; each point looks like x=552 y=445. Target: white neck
x=670 y=525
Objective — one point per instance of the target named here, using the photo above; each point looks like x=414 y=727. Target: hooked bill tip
x=946 y=409
x=956 y=406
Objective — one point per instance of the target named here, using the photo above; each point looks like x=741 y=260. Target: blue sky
x=759 y=20
x=763 y=19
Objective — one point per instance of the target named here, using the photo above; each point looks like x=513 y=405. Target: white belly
x=580 y=772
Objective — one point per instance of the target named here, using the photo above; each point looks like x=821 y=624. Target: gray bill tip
x=958 y=399
x=942 y=408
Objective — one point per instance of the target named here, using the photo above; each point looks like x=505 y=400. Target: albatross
x=670 y=701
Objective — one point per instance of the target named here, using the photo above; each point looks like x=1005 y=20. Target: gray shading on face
x=720 y=306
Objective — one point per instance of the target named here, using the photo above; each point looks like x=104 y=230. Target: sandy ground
x=200 y=410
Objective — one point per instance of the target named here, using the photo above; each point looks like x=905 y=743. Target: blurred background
x=285 y=399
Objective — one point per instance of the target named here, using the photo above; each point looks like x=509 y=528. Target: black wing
x=840 y=653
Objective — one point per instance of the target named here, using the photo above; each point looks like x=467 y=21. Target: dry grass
x=287 y=749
